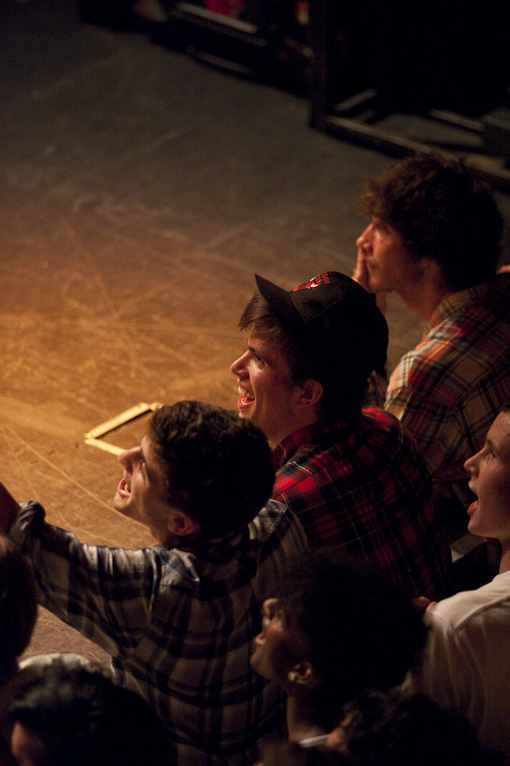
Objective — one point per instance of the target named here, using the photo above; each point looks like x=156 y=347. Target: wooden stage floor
x=140 y=192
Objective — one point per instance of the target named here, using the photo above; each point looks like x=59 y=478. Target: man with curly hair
x=434 y=239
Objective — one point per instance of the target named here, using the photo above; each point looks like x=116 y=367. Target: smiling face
x=490 y=482
x=267 y=395
x=390 y=267
x=141 y=491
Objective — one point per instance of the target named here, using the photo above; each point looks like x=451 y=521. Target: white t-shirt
x=466 y=666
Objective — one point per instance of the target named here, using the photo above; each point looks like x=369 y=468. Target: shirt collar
x=308 y=435
x=457 y=302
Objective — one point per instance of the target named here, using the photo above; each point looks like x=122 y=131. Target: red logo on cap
x=315 y=282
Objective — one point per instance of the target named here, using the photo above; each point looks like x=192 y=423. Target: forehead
x=153 y=466
x=396 y=233
x=499 y=435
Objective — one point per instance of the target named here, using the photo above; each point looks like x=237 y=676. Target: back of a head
x=329 y=329
x=218 y=467
x=80 y=718
x=395 y=729
x=18 y=606
x=361 y=630
x=444 y=211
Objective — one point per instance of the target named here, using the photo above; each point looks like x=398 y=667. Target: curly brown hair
x=444 y=211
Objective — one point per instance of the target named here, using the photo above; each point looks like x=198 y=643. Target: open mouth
x=474 y=499
x=124 y=488
x=472 y=508
x=245 y=399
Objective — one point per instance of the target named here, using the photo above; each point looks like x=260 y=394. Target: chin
x=257 y=664
x=121 y=508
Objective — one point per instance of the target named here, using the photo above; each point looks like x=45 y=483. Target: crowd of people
x=299 y=605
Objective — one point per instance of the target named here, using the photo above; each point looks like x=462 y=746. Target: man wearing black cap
x=354 y=476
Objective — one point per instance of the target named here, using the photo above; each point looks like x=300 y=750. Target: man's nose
x=237 y=366
x=471 y=464
x=364 y=238
x=126 y=458
x=268 y=607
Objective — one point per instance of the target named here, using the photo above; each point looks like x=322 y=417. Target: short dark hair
x=81 y=717
x=390 y=728
x=18 y=606
x=343 y=389
x=444 y=211
x=218 y=467
x=360 y=628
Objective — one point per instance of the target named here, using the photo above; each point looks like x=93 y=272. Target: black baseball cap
x=337 y=316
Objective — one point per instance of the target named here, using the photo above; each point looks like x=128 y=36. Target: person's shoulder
x=377 y=418
x=385 y=432
x=474 y=606
x=274 y=518
x=499 y=294
x=384 y=425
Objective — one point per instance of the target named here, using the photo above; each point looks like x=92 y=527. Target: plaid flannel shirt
x=178 y=623
x=448 y=390
x=366 y=489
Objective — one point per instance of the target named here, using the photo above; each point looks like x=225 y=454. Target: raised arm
x=8 y=509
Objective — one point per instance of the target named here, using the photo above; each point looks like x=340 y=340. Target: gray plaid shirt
x=178 y=623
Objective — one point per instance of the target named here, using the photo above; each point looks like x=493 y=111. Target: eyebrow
x=490 y=444
x=502 y=452
x=144 y=458
x=256 y=350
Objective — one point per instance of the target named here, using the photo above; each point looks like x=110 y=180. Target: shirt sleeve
x=107 y=594
x=448 y=671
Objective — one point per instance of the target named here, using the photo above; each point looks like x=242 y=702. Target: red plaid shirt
x=449 y=389
x=367 y=490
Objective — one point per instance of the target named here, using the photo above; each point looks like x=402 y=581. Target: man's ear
x=180 y=524
x=302 y=674
x=311 y=393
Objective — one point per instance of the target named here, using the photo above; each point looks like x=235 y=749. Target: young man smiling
x=355 y=478
x=467 y=666
x=178 y=618
x=434 y=239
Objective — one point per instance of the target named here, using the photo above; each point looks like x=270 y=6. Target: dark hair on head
x=505 y=407
x=360 y=629
x=344 y=388
x=444 y=211
x=218 y=467
x=81 y=718
x=390 y=729
x=18 y=606
x=395 y=729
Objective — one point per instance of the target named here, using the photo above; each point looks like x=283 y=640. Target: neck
x=304 y=421
x=424 y=293
x=425 y=302
x=303 y=716
x=504 y=562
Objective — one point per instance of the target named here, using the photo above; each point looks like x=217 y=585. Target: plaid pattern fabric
x=449 y=389
x=367 y=490
x=178 y=623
